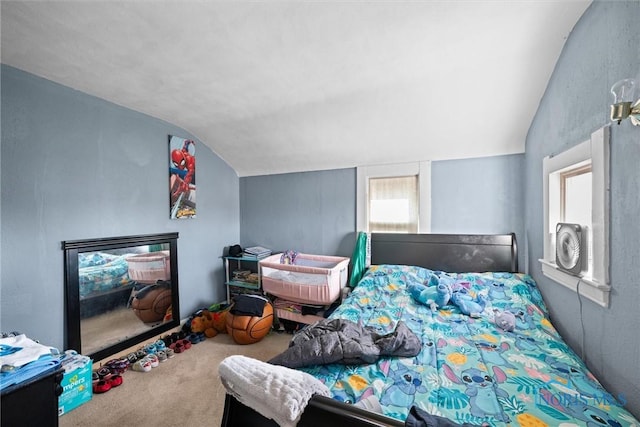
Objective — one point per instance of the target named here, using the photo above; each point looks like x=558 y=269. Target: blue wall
x=310 y=212
x=314 y=212
x=479 y=196
x=75 y=167
x=603 y=48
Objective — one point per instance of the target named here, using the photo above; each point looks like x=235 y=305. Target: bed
x=470 y=370
x=101 y=271
x=104 y=283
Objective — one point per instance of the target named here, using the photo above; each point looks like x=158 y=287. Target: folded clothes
x=249 y=305
x=22 y=358
x=19 y=350
x=24 y=373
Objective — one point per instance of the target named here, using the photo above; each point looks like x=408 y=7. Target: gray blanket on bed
x=343 y=341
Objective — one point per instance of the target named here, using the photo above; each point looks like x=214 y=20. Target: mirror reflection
x=123 y=293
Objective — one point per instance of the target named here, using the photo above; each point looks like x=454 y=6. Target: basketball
x=162 y=302
x=151 y=306
x=250 y=329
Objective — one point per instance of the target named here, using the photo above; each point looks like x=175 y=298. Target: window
x=575 y=203
x=575 y=194
x=393 y=204
x=394 y=198
x=576 y=190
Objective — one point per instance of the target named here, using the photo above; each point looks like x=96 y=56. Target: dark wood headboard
x=455 y=253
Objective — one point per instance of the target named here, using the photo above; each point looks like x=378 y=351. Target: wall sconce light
x=624 y=104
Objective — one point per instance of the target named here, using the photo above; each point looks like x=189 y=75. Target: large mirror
x=119 y=291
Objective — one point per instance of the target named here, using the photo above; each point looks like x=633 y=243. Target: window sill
x=589 y=287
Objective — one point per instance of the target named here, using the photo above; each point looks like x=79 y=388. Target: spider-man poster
x=182 y=177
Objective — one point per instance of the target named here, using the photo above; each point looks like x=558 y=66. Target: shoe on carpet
x=153 y=359
x=101 y=386
x=142 y=365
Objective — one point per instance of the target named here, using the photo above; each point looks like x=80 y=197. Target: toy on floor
x=211 y=323
x=168 y=315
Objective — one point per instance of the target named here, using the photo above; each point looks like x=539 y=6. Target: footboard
x=320 y=412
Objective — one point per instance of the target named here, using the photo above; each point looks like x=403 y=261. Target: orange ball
x=250 y=329
x=153 y=305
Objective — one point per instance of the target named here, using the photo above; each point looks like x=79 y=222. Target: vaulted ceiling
x=286 y=86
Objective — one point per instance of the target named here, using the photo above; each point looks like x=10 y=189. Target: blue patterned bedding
x=470 y=370
x=101 y=271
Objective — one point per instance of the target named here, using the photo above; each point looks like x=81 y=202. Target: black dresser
x=33 y=402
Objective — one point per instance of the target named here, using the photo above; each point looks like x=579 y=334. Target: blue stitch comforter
x=101 y=271
x=470 y=370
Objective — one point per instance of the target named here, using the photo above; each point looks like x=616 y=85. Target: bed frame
x=455 y=253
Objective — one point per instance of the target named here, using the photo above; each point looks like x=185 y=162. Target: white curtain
x=393 y=204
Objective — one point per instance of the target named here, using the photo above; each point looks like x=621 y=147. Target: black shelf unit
x=236 y=287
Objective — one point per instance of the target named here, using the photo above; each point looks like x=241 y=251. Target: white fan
x=571 y=252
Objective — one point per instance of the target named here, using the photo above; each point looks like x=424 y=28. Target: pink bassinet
x=313 y=279
x=149 y=267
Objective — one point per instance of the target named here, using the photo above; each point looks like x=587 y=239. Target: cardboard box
x=76 y=387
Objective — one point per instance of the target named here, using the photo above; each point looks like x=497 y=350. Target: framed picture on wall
x=182 y=178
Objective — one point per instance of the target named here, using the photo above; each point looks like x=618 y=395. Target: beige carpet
x=103 y=330
x=183 y=391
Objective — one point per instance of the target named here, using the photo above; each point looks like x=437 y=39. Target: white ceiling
x=286 y=86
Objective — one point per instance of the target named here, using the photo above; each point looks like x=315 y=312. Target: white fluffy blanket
x=276 y=392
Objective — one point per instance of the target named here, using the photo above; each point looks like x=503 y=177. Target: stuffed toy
x=288 y=257
x=467 y=304
x=505 y=320
x=427 y=292
x=209 y=323
x=168 y=315
x=447 y=286
x=425 y=295
x=444 y=291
